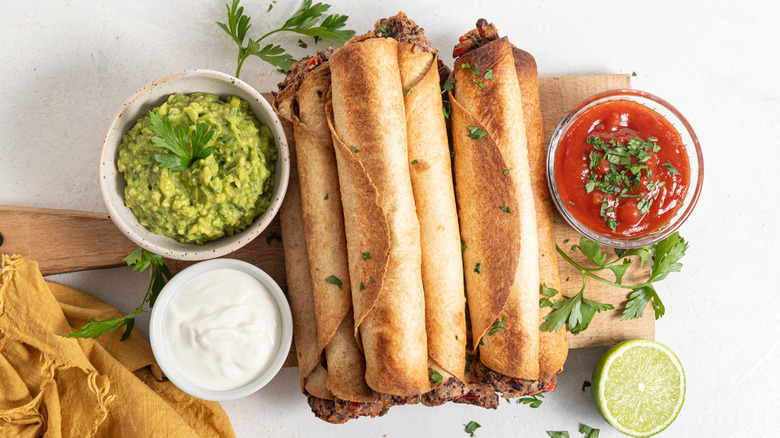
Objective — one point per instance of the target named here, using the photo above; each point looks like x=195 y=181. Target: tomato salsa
x=621 y=169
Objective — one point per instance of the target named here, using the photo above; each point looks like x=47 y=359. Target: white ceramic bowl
x=157 y=330
x=112 y=185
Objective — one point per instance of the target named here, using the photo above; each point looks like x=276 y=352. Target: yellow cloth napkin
x=60 y=387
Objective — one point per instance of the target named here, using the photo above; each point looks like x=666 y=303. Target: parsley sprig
x=305 y=21
x=185 y=146
x=140 y=259
x=578 y=311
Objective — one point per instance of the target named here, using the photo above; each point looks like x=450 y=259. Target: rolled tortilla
x=323 y=223
x=368 y=126
x=496 y=210
x=434 y=195
x=296 y=262
x=553 y=347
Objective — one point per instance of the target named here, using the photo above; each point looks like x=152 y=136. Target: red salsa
x=621 y=169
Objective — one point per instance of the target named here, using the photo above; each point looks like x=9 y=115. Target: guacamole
x=217 y=195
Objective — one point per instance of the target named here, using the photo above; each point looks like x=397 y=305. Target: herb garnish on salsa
x=622 y=169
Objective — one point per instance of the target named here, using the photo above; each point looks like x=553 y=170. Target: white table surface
x=67 y=67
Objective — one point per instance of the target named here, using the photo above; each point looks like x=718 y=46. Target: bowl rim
x=644 y=239
x=158 y=343
x=193 y=251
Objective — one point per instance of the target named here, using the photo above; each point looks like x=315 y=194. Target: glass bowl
x=689 y=139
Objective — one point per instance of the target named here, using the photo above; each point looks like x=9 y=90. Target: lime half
x=639 y=387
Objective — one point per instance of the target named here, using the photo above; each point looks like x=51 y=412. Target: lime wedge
x=639 y=387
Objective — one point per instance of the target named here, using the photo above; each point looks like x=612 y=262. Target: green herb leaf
x=589 y=431
x=671 y=168
x=414 y=161
x=506 y=171
x=488 y=74
x=436 y=376
x=668 y=253
x=448 y=85
x=471 y=427
x=496 y=327
x=334 y=280
x=140 y=260
x=366 y=256
x=475 y=132
x=548 y=291
x=620 y=270
x=479 y=84
x=576 y=311
x=637 y=301
x=558 y=434
x=445 y=108
x=326 y=196
x=362 y=287
x=469 y=359
x=506 y=209
x=304 y=22
x=478 y=268
x=592 y=250
x=354 y=149
x=371 y=279
x=409 y=91
x=534 y=401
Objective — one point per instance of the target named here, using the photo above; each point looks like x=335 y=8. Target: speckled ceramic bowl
x=112 y=185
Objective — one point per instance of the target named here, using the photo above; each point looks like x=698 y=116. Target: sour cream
x=222 y=329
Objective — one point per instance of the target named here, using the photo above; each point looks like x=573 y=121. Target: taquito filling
x=484 y=33
x=301 y=68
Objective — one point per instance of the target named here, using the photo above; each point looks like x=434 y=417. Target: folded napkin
x=61 y=387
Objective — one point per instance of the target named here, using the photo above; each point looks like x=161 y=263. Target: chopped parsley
x=506 y=209
x=475 y=132
x=471 y=427
x=366 y=256
x=409 y=91
x=354 y=149
x=414 y=161
x=496 y=327
x=362 y=287
x=334 y=280
x=506 y=171
x=478 y=268
x=436 y=376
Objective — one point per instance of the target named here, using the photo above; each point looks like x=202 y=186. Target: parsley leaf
x=448 y=85
x=478 y=268
x=506 y=171
x=177 y=141
x=471 y=427
x=506 y=209
x=140 y=260
x=303 y=22
x=409 y=91
x=366 y=256
x=475 y=132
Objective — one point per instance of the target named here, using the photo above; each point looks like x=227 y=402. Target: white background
x=67 y=66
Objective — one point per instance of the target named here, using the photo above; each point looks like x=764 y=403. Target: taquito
x=323 y=223
x=368 y=125
x=496 y=210
x=553 y=347
x=296 y=262
x=434 y=196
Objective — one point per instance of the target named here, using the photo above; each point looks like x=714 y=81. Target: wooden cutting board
x=67 y=240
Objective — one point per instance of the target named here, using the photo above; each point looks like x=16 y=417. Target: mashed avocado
x=217 y=195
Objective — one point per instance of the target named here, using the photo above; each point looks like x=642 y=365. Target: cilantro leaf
x=575 y=311
x=496 y=327
x=668 y=253
x=448 y=85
